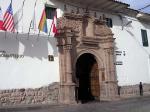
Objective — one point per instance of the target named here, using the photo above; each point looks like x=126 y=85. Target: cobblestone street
x=140 y=104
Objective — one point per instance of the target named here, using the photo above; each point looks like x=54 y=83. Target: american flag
x=8 y=19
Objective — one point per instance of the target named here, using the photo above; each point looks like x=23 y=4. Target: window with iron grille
x=50 y=12
x=109 y=22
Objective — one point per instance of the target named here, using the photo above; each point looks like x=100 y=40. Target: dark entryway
x=87 y=74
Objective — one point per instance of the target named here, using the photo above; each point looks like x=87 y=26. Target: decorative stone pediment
x=85 y=25
x=101 y=29
x=70 y=20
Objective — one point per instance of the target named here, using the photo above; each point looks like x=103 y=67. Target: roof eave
x=143 y=16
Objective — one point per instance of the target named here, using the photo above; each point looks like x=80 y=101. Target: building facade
x=101 y=52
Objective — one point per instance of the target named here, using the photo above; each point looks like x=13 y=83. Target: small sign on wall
x=119 y=63
x=50 y=58
x=4 y=54
x=119 y=53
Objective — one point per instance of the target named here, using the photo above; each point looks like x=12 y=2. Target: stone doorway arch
x=85 y=34
x=87 y=74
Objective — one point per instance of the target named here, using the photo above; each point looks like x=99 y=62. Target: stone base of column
x=109 y=91
x=67 y=93
x=111 y=98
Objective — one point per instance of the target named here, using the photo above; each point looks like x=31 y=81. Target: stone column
x=68 y=63
x=67 y=89
x=111 y=81
x=103 y=91
x=113 y=78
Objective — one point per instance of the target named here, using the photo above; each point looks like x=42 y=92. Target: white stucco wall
x=135 y=66
x=34 y=70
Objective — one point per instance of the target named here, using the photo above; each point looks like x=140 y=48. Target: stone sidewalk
x=139 y=104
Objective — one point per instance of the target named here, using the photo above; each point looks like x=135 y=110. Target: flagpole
x=22 y=14
x=5 y=34
x=17 y=34
x=22 y=20
x=34 y=21
x=29 y=29
x=12 y=15
x=31 y=20
x=13 y=25
x=35 y=4
x=39 y=33
x=50 y=28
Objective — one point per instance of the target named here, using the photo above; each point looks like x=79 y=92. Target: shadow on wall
x=8 y=43
x=52 y=41
x=124 y=24
x=122 y=21
x=32 y=46
x=145 y=25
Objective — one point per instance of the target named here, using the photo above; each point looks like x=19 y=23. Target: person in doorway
x=141 y=88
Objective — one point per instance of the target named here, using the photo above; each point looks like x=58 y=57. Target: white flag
x=33 y=22
x=18 y=18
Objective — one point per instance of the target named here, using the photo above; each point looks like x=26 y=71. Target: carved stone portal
x=86 y=52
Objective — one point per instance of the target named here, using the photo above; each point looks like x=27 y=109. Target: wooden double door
x=87 y=73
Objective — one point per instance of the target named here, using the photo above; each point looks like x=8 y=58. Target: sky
x=138 y=4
